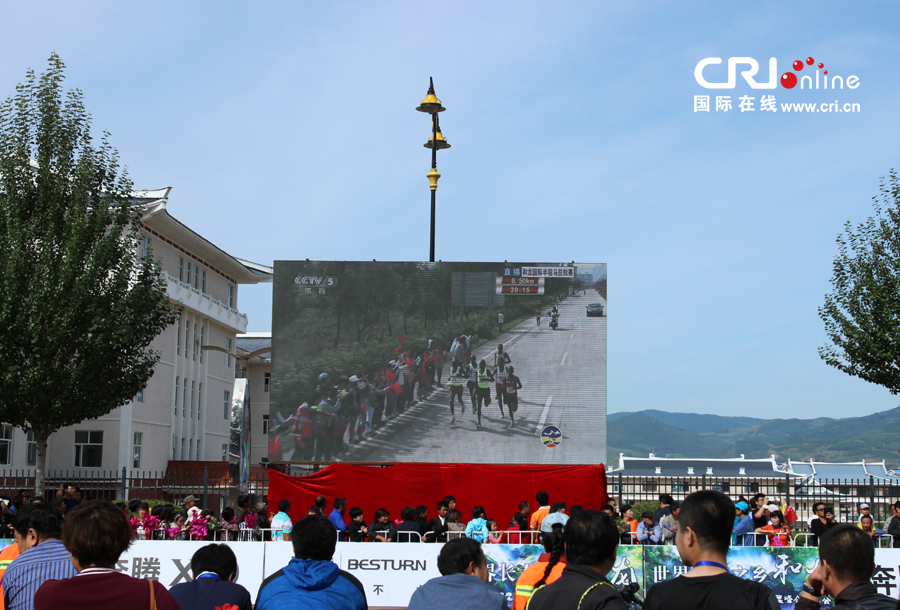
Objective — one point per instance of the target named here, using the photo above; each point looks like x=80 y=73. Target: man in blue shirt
x=337 y=516
x=648 y=532
x=463 y=585
x=311 y=579
x=38 y=528
x=744 y=525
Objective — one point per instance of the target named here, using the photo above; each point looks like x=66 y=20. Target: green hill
x=851 y=439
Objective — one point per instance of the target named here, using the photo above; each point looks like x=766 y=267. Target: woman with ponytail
x=548 y=568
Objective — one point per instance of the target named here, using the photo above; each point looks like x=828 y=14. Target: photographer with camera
x=704 y=533
x=823 y=521
x=591 y=539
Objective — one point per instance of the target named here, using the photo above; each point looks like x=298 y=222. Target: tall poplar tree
x=862 y=313
x=80 y=301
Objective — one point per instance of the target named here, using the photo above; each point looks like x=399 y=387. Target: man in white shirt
x=281 y=523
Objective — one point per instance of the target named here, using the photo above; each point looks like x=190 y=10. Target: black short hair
x=869 y=517
x=96 y=533
x=543 y=498
x=710 y=515
x=284 y=505
x=45 y=520
x=849 y=551
x=227 y=514
x=443 y=504
x=457 y=554
x=133 y=505
x=675 y=506
x=243 y=500
x=449 y=499
x=314 y=537
x=340 y=503
x=421 y=510
x=478 y=512
x=145 y=505
x=647 y=514
x=591 y=538
x=355 y=512
x=407 y=513
x=381 y=512
x=524 y=504
x=816 y=505
x=321 y=502
x=216 y=558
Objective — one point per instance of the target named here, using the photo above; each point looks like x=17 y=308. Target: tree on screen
x=862 y=313
x=80 y=298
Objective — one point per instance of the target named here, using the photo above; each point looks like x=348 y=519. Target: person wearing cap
x=648 y=530
x=557 y=514
x=190 y=505
x=864 y=511
x=744 y=525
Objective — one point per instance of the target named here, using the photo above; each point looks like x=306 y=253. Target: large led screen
x=438 y=362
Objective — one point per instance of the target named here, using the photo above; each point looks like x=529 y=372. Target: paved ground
x=563 y=373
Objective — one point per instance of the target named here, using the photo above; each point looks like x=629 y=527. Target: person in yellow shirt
x=7 y=556
x=537 y=517
x=548 y=568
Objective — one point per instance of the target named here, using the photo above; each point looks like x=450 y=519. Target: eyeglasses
x=819 y=510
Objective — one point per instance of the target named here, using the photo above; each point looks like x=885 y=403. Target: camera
x=627 y=591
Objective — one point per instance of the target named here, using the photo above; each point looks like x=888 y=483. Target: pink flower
x=250 y=520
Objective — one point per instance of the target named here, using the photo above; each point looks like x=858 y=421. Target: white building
x=182 y=413
x=256 y=366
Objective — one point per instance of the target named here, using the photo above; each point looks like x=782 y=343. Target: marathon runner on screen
x=511 y=388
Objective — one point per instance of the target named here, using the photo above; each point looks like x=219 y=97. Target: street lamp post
x=432 y=105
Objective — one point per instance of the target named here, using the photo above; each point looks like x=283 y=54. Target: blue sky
x=288 y=130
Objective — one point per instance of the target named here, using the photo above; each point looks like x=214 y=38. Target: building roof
x=163 y=225
x=697 y=467
x=841 y=471
x=250 y=342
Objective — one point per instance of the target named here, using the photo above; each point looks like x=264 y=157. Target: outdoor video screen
x=438 y=362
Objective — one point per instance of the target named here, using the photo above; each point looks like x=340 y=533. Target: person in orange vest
x=548 y=568
x=7 y=556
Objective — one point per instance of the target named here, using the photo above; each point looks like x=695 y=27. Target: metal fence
x=212 y=491
x=844 y=495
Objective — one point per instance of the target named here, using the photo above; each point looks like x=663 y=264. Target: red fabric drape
x=498 y=488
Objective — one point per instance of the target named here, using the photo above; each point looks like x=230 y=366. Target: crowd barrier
x=391 y=572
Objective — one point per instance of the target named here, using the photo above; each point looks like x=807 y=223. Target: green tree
x=862 y=313
x=80 y=299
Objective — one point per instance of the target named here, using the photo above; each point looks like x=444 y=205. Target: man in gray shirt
x=463 y=585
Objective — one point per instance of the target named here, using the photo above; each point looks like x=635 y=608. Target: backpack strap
x=597 y=584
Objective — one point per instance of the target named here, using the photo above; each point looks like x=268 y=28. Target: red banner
x=498 y=488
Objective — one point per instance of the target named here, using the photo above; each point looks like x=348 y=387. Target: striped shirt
x=47 y=561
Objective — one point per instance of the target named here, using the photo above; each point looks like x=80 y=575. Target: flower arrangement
x=250 y=521
x=198 y=529
x=173 y=532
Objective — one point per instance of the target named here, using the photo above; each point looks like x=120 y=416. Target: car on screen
x=595 y=309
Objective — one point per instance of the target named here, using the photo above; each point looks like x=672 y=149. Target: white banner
x=169 y=561
x=887 y=572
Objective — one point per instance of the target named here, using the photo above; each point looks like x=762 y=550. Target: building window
x=187 y=277
x=751 y=488
x=265 y=425
x=139 y=397
x=180 y=269
x=224 y=452
x=145 y=248
x=88 y=448
x=201 y=342
x=194 y=344
x=723 y=486
x=178 y=337
x=6 y=434
x=649 y=486
x=177 y=385
x=30 y=449
x=196 y=275
x=203 y=281
x=267 y=379
x=138 y=441
x=181 y=456
x=231 y=296
x=184 y=398
x=228 y=352
x=680 y=487
x=187 y=336
x=199 y=400
x=227 y=404
x=192 y=401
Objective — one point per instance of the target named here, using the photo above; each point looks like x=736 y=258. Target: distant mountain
x=851 y=439
x=695 y=422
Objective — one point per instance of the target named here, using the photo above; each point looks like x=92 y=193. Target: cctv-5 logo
x=748 y=74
